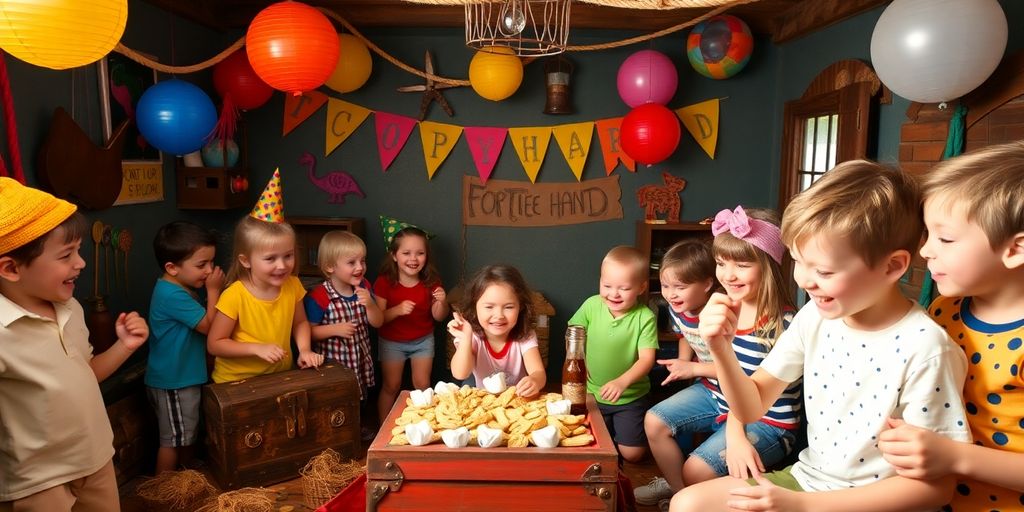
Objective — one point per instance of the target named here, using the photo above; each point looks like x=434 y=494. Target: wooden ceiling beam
x=810 y=15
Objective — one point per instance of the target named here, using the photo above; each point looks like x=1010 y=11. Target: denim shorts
x=402 y=350
x=695 y=409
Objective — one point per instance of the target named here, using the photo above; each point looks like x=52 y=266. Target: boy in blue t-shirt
x=176 y=368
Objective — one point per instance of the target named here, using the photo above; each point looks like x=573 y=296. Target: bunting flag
x=298 y=108
x=438 y=140
x=701 y=120
x=485 y=145
x=531 y=145
x=392 y=133
x=608 y=134
x=574 y=139
x=342 y=119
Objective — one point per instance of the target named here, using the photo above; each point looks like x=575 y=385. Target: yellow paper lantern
x=354 y=65
x=61 y=34
x=495 y=72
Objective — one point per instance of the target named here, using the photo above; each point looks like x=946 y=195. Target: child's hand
x=131 y=329
x=527 y=387
x=309 y=358
x=439 y=294
x=741 y=457
x=765 y=497
x=267 y=352
x=612 y=390
x=345 y=329
x=405 y=307
x=215 y=281
x=677 y=370
x=460 y=329
x=718 y=321
x=363 y=296
x=916 y=452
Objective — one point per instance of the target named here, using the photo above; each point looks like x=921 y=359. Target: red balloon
x=293 y=47
x=235 y=77
x=649 y=133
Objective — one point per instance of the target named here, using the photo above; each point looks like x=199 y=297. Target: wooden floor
x=290 y=497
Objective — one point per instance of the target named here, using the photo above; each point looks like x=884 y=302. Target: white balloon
x=938 y=50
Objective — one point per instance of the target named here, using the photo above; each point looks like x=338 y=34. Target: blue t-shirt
x=177 y=352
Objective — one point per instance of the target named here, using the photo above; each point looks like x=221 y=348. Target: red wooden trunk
x=435 y=477
x=264 y=429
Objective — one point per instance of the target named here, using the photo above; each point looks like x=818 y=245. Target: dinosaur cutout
x=74 y=168
x=657 y=199
x=335 y=183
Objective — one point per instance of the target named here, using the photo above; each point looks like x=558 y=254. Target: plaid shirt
x=351 y=352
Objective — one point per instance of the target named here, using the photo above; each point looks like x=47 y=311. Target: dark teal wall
x=561 y=262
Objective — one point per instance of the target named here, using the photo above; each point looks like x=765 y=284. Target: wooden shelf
x=653 y=240
x=309 y=231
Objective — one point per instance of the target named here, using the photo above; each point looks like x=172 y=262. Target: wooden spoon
x=97 y=238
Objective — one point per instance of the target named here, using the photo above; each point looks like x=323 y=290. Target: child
x=748 y=262
x=865 y=353
x=176 y=368
x=409 y=293
x=56 y=445
x=975 y=252
x=622 y=337
x=342 y=308
x=261 y=309
x=492 y=334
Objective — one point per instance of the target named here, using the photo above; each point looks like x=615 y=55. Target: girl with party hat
x=261 y=309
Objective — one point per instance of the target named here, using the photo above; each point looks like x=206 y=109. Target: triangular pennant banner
x=701 y=120
x=392 y=133
x=611 y=150
x=531 y=145
x=298 y=108
x=485 y=145
x=342 y=119
x=574 y=139
x=438 y=140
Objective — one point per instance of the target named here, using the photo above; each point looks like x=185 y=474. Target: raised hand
x=363 y=296
x=718 y=321
x=439 y=294
x=215 y=281
x=131 y=329
x=460 y=329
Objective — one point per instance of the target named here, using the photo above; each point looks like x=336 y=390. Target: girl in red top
x=409 y=293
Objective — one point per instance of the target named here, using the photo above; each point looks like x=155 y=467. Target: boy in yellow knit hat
x=56 y=445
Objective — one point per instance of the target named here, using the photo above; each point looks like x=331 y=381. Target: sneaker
x=663 y=505
x=653 y=492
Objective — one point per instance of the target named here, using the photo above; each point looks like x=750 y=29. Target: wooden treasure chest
x=435 y=477
x=264 y=429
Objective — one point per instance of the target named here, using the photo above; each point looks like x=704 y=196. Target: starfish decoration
x=431 y=91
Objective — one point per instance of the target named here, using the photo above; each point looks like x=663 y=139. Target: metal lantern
x=531 y=28
x=556 y=80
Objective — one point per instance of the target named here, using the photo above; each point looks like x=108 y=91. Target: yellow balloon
x=354 y=65
x=495 y=72
x=61 y=34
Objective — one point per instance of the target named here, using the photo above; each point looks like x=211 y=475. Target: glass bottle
x=574 y=371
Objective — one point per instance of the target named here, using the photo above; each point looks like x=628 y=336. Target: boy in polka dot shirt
x=975 y=252
x=865 y=353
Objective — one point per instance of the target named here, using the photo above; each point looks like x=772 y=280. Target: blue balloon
x=175 y=116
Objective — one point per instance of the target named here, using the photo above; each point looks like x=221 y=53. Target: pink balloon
x=647 y=76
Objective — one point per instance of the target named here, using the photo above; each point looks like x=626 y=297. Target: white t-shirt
x=509 y=361
x=854 y=380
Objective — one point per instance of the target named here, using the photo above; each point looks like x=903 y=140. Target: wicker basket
x=544 y=311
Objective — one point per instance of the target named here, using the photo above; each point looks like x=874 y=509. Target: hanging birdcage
x=531 y=28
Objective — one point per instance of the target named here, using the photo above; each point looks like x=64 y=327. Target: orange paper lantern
x=293 y=47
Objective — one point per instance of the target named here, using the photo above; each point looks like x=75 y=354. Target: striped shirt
x=750 y=351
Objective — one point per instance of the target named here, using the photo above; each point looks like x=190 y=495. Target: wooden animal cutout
x=75 y=169
x=336 y=183
x=664 y=199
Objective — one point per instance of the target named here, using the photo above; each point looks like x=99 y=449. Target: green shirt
x=614 y=344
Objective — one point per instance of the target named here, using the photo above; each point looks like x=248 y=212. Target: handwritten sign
x=522 y=204
x=141 y=182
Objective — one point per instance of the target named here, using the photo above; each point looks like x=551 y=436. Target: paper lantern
x=647 y=76
x=495 y=72
x=649 y=133
x=938 y=50
x=61 y=34
x=292 y=46
x=175 y=116
x=235 y=77
x=719 y=47
x=354 y=65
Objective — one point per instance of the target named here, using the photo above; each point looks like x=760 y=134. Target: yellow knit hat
x=27 y=214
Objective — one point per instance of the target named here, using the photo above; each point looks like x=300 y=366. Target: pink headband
x=760 y=234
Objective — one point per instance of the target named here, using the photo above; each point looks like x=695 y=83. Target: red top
x=409 y=327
